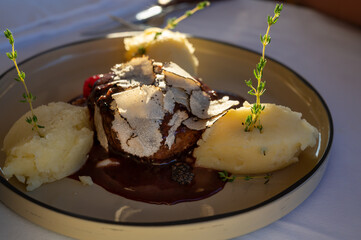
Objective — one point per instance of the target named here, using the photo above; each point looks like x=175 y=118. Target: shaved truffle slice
x=202 y=106
x=136 y=70
x=180 y=96
x=138 y=114
x=200 y=124
x=177 y=77
x=169 y=101
x=175 y=122
x=174 y=68
x=141 y=137
x=142 y=102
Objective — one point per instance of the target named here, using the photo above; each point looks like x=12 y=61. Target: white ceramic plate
x=90 y=212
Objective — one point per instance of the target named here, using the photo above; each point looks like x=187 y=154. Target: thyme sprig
x=253 y=120
x=226 y=177
x=27 y=96
x=173 y=22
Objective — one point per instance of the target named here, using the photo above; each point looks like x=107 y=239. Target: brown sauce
x=145 y=182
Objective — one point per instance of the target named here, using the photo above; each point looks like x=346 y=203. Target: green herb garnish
x=27 y=96
x=253 y=120
x=226 y=177
x=173 y=22
x=141 y=51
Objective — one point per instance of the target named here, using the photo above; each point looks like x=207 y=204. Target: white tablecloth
x=325 y=51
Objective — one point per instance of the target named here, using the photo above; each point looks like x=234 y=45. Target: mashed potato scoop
x=226 y=145
x=34 y=160
x=168 y=47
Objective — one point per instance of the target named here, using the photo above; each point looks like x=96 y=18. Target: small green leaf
x=278 y=9
x=141 y=51
x=263 y=62
x=251 y=92
x=40 y=126
x=231 y=179
x=157 y=34
x=189 y=13
x=249 y=119
x=171 y=23
x=249 y=83
x=268 y=40
x=256 y=73
x=9 y=36
x=203 y=4
x=22 y=75
x=10 y=55
x=269 y=20
x=267 y=178
x=261 y=87
x=29 y=120
x=275 y=20
x=7 y=33
x=247 y=178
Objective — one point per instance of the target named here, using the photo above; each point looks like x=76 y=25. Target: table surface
x=325 y=51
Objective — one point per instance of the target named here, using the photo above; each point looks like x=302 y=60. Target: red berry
x=88 y=85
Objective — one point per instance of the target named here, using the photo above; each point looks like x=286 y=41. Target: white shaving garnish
x=199 y=103
x=86 y=180
x=106 y=163
x=177 y=77
x=141 y=102
x=143 y=139
x=175 y=122
x=125 y=84
x=174 y=68
x=180 y=96
x=169 y=102
x=138 y=118
x=200 y=124
x=138 y=69
x=219 y=106
x=204 y=108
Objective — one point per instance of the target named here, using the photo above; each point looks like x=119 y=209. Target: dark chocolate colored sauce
x=145 y=182
x=149 y=183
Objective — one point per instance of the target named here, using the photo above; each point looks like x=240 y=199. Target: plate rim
x=193 y=220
